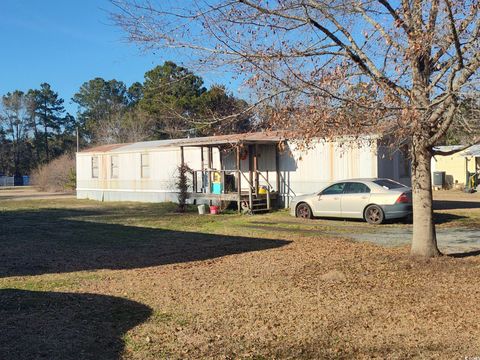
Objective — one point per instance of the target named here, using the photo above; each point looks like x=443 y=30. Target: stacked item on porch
x=216 y=183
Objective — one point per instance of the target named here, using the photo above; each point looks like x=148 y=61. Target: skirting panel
x=144 y=196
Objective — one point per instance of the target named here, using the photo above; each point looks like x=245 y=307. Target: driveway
x=451 y=239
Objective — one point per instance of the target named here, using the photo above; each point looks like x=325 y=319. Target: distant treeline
x=171 y=102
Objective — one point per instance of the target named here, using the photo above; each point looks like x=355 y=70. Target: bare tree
x=395 y=67
x=14 y=118
x=124 y=126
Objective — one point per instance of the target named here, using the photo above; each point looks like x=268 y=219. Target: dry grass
x=136 y=281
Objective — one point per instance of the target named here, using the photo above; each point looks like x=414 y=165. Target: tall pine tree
x=49 y=111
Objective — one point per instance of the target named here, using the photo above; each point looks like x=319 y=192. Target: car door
x=328 y=201
x=355 y=198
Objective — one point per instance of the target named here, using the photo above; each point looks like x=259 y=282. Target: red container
x=214 y=209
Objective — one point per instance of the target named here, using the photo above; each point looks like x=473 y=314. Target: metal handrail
x=268 y=182
x=246 y=179
x=287 y=185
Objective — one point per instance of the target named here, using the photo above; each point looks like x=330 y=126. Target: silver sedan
x=374 y=200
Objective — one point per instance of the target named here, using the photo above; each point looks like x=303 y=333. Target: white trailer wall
x=159 y=186
x=305 y=171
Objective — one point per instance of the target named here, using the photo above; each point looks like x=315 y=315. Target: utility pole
x=78 y=140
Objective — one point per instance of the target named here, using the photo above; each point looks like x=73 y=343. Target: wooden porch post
x=210 y=157
x=239 y=181
x=250 y=176
x=255 y=167
x=277 y=170
x=209 y=173
x=222 y=168
x=250 y=164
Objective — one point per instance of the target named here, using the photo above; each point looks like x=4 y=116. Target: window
x=145 y=165
x=335 y=189
x=356 y=188
x=95 y=167
x=388 y=184
x=114 y=166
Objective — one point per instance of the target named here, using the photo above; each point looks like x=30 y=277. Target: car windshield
x=388 y=184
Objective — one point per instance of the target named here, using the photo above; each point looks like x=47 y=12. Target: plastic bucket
x=202 y=209
x=214 y=210
x=263 y=190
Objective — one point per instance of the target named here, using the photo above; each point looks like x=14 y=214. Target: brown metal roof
x=265 y=137
x=104 y=148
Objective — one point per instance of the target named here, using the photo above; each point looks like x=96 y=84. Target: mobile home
x=255 y=168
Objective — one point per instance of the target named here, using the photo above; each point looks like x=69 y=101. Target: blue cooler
x=217 y=188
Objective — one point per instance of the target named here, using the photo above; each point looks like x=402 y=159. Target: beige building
x=457 y=167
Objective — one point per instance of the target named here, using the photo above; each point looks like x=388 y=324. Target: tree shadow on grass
x=59 y=240
x=444 y=218
x=455 y=205
x=49 y=325
x=465 y=254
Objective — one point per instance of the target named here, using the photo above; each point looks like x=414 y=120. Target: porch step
x=260 y=207
x=260 y=210
x=256 y=206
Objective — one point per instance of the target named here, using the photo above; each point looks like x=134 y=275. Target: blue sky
x=68 y=42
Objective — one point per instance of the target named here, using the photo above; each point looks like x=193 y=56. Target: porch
x=246 y=171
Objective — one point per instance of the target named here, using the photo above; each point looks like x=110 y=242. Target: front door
x=355 y=198
x=328 y=202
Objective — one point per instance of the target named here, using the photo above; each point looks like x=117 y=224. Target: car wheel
x=374 y=214
x=303 y=211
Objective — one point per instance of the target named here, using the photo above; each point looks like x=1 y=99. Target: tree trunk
x=46 y=144
x=35 y=133
x=16 y=158
x=424 y=242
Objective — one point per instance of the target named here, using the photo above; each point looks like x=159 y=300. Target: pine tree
x=49 y=111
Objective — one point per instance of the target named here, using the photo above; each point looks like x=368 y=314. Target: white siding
x=163 y=165
x=306 y=171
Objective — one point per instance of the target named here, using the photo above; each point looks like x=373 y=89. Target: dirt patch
x=334 y=275
x=30 y=193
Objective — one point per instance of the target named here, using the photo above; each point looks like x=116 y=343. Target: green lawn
x=82 y=279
